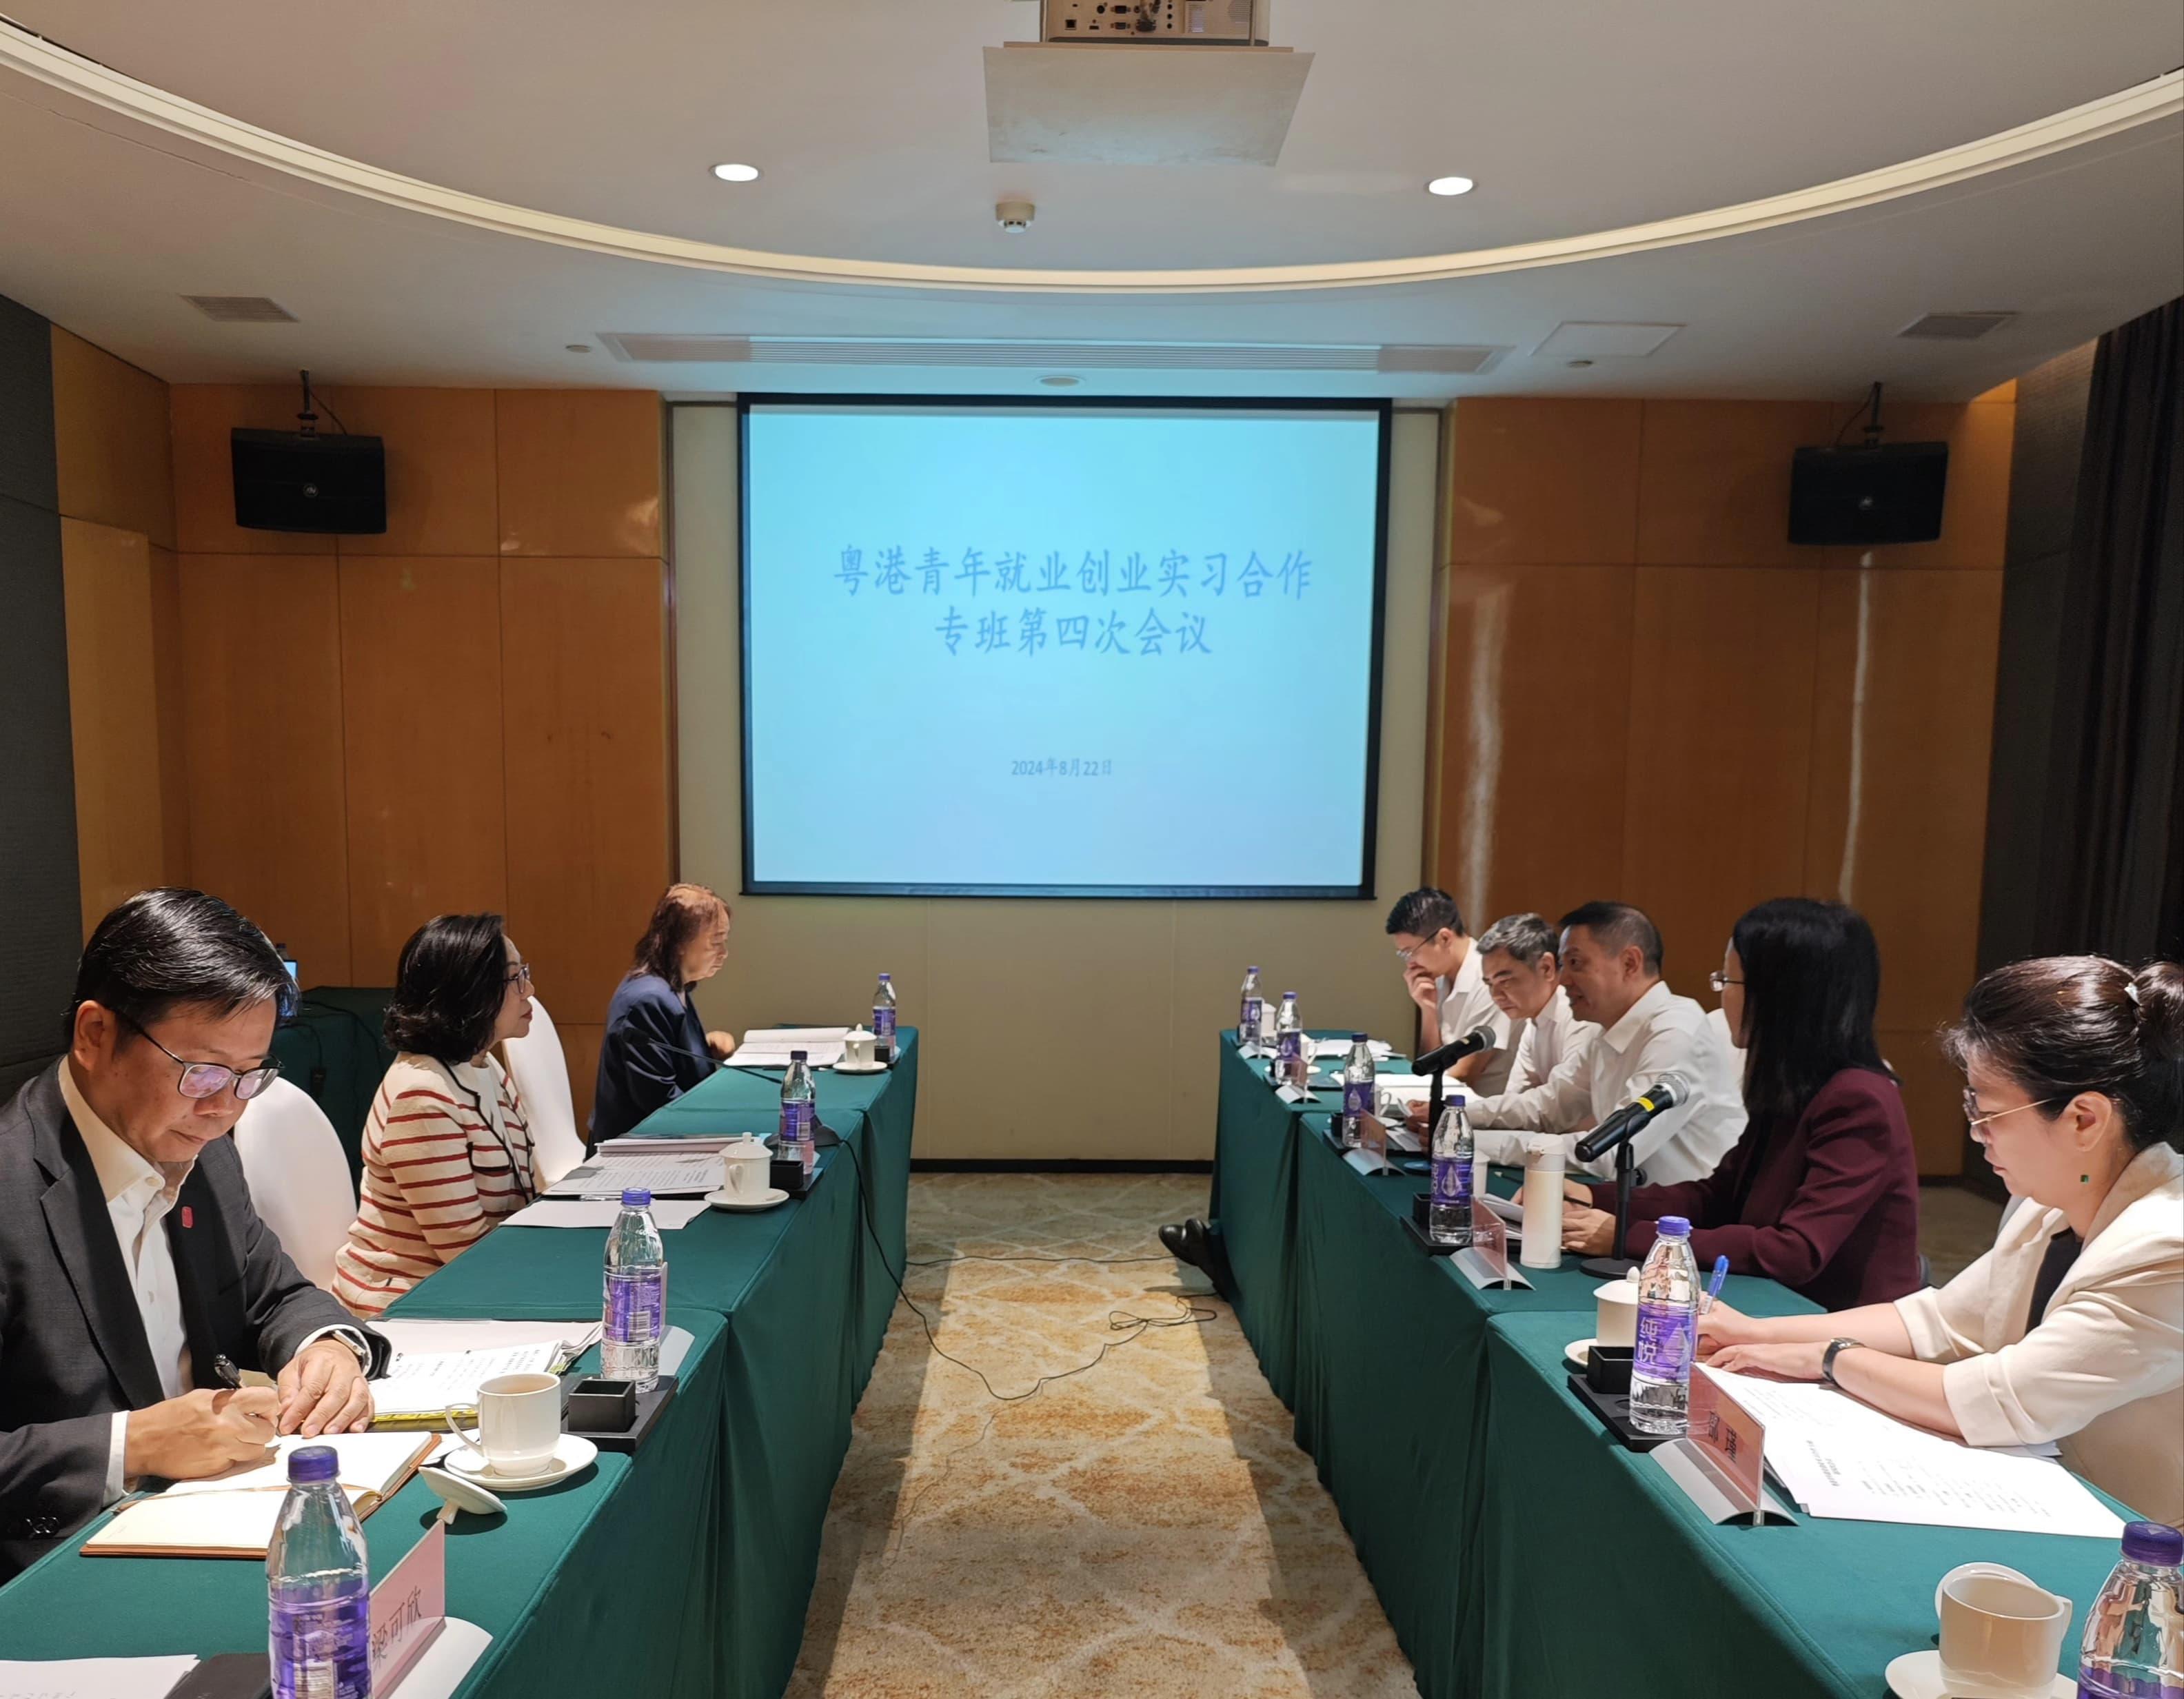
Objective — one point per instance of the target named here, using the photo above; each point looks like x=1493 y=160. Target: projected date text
x=1062 y=766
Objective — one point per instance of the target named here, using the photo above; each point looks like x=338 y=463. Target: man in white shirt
x=1611 y=970
x=1521 y=965
x=1441 y=970
x=136 y=1280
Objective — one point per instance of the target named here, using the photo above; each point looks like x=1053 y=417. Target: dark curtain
x=2112 y=865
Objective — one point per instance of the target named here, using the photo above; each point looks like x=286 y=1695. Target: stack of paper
x=629 y=1147
x=92 y=1678
x=667 y=1214
x=232 y=1515
x=1337 y=1048
x=1839 y=1459
x=424 y=1388
x=769 y=1046
x=680 y=1173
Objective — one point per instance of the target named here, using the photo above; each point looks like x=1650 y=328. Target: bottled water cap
x=798 y=1056
x=1289 y=996
x=884 y=977
x=1673 y=1227
x=1251 y=969
x=309 y=1465
x=2153 y=1542
x=637 y=1197
x=1357 y=1037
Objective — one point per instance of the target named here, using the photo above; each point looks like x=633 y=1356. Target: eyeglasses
x=1721 y=981
x=209 y=1079
x=1974 y=1118
x=520 y=974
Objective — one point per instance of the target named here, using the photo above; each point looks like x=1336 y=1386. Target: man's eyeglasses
x=1721 y=981
x=1974 y=1118
x=209 y=1079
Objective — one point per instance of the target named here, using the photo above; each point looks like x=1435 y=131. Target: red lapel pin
x=189 y=1217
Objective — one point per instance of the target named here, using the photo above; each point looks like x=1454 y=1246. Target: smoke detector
x=1015 y=216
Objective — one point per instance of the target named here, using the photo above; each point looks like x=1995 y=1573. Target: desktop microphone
x=1479 y=1038
x=1657 y=1099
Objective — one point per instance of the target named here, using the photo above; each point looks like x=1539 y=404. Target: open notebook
x=232 y=1515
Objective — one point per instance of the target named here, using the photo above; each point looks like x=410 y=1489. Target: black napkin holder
x=1608 y=1368
x=628 y=1440
x=601 y=1406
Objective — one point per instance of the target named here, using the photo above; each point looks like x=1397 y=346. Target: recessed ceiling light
x=736 y=174
x=1449 y=185
x=578 y=347
x=1062 y=380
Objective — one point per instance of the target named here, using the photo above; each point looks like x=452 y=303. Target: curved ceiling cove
x=2148 y=103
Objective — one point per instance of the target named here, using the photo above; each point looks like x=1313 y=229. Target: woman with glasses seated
x=1822 y=1191
x=447 y=1149
x=2072 y=1328
x=656 y=1047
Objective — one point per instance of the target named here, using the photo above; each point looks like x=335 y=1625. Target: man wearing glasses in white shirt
x=1441 y=972
x=136 y=1281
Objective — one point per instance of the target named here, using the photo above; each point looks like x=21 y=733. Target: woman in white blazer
x=2072 y=1328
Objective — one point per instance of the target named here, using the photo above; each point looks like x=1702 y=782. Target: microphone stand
x=1615 y=1267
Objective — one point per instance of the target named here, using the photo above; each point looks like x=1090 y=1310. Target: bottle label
x=1664 y=1339
x=1357 y=1097
x=883 y=1024
x=1452 y=1183
x=796 y=1120
x=1290 y=1045
x=1248 y=1021
x=637 y=1306
x=322 y=1649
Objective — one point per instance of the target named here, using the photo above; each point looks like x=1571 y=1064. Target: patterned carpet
x=1145 y=1528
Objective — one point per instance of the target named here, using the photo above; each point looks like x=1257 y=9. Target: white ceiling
x=867 y=117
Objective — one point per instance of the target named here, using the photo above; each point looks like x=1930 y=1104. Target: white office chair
x=541 y=1071
x=298 y=1175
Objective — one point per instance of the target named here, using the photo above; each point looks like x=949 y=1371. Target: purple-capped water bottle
x=636 y=1308
x=1247 y=1012
x=2134 y=1643
x=799 y=1112
x=1448 y=1212
x=1668 y=1329
x=318 y=1587
x=883 y=1020
x=1356 y=1090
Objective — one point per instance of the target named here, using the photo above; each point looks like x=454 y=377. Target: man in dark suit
x=135 y=1278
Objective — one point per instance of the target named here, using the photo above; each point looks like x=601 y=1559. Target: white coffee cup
x=519 y=1422
x=746 y=1167
x=858 y=1048
x=1615 y=1313
x=2002 y=1633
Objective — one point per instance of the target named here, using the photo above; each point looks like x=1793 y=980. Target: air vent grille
x=1954 y=327
x=241 y=309
x=646 y=347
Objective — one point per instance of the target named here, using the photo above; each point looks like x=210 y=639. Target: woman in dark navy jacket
x=656 y=1048
x=1822 y=1191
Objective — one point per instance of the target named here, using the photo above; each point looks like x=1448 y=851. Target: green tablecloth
x=1600 y=1576
x=333 y=1050
x=609 y=1583
x=1254 y=1200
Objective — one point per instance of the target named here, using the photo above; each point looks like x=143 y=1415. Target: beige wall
x=985 y=979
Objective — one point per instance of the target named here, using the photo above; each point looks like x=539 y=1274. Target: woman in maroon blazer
x=1822 y=1192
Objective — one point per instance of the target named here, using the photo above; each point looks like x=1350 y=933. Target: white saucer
x=1578 y=1354
x=765 y=1201
x=572 y=1455
x=871 y=1067
x=1918 y=1675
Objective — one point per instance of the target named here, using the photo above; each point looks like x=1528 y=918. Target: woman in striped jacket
x=447 y=1149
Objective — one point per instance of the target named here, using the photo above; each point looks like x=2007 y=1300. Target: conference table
x=684 y=1570
x=1517 y=1547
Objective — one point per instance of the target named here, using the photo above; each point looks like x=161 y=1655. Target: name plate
x=1486 y=1263
x=1293 y=1093
x=1720 y=1461
x=1372 y=1138
x=408 y=1609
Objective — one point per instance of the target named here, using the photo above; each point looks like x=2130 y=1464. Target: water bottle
x=636 y=1295
x=1448 y=1216
x=799 y=1112
x=2134 y=1644
x=1668 y=1324
x=883 y=1020
x=1356 y=1090
x=1289 y=1039
x=1247 y=1017
x=318 y=1587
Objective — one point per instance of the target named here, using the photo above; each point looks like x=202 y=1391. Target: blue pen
x=1713 y=1286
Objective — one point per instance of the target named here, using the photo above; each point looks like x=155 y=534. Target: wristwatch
x=1835 y=1348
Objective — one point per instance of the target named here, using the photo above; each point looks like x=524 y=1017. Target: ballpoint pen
x=1713 y=1286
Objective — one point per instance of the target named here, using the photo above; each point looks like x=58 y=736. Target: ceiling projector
x=1155 y=23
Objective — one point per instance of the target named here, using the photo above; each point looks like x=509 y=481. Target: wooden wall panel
x=1543 y=483
x=203 y=415
x=263 y=738
x=111 y=441
x=1975 y=509
x=440 y=471
x=1714 y=481
x=1721 y=718
x=1933 y=1096
x=588 y=763
x=421 y=687
x=580 y=471
x=1903 y=702
x=169 y=661
x=1535 y=702
x=114 y=714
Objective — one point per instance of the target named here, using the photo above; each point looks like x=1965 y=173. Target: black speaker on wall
x=1889 y=493
x=301 y=481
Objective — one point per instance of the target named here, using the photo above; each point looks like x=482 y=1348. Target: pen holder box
x=602 y=1406
x=1607 y=1369
x=630 y=1437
